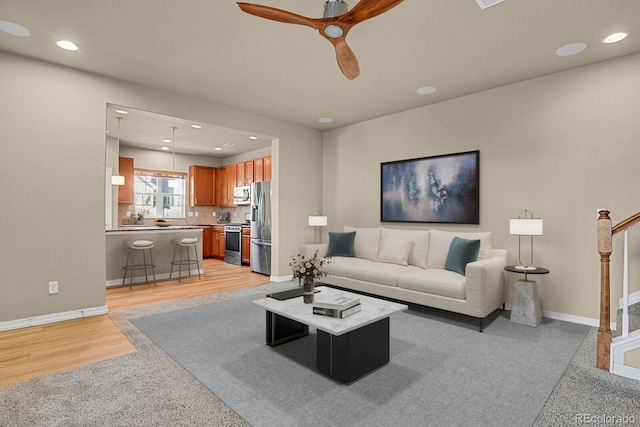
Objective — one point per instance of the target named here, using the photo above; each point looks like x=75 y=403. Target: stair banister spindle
x=625 y=287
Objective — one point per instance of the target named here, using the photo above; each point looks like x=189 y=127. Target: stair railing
x=605 y=237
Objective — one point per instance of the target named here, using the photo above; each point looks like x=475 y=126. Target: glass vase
x=307 y=290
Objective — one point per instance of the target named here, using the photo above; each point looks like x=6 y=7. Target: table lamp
x=525 y=225
x=317 y=221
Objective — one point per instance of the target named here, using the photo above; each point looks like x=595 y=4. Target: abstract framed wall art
x=443 y=189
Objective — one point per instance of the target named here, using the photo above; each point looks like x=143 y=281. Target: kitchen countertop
x=154 y=228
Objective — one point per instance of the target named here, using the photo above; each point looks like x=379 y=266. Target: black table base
x=345 y=358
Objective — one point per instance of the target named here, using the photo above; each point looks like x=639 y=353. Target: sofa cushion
x=341 y=244
x=366 y=242
x=420 y=238
x=461 y=252
x=439 y=242
x=339 y=265
x=435 y=281
x=378 y=272
x=395 y=251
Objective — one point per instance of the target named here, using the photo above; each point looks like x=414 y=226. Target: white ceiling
x=209 y=49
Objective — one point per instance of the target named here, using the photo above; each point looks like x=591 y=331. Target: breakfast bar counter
x=116 y=253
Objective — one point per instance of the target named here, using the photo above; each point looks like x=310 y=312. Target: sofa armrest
x=485 y=284
x=309 y=250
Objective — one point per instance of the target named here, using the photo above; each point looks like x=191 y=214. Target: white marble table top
x=372 y=310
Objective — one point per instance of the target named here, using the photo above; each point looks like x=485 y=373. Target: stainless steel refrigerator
x=261 y=227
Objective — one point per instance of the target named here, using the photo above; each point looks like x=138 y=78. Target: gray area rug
x=440 y=373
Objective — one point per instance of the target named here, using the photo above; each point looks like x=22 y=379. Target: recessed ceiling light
x=165 y=148
x=196 y=126
x=67 y=45
x=253 y=137
x=122 y=112
x=218 y=148
x=614 y=38
x=325 y=120
x=168 y=141
x=571 y=49
x=14 y=29
x=426 y=90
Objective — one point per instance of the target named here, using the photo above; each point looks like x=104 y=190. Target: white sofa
x=382 y=266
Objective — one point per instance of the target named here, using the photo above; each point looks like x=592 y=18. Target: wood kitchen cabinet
x=125 y=192
x=244 y=173
x=217 y=235
x=202 y=184
x=231 y=183
x=225 y=181
x=246 y=245
x=267 y=168
x=207 y=242
x=262 y=169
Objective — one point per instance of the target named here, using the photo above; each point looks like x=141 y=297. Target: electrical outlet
x=190 y=214
x=215 y=213
x=197 y=213
x=53 y=287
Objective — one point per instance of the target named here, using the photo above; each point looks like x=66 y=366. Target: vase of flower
x=308 y=269
x=307 y=290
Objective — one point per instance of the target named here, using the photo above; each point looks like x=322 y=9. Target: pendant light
x=173 y=182
x=118 y=179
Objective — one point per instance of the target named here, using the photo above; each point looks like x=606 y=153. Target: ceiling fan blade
x=275 y=14
x=366 y=9
x=347 y=60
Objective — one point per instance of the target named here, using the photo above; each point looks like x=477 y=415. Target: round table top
x=537 y=270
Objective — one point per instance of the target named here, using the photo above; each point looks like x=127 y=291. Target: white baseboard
x=142 y=279
x=281 y=278
x=52 y=318
x=571 y=318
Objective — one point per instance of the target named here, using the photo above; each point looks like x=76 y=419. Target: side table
x=525 y=308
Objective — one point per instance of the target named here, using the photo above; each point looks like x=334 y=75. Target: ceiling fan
x=336 y=22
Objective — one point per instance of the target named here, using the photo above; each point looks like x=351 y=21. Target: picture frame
x=436 y=189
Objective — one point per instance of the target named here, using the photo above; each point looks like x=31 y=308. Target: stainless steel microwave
x=242 y=195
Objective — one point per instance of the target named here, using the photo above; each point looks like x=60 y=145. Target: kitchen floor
x=42 y=350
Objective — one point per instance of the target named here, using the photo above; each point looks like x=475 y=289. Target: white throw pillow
x=366 y=243
x=439 y=242
x=395 y=251
x=419 y=249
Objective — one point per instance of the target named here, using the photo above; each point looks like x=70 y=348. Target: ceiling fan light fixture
x=333 y=8
x=333 y=31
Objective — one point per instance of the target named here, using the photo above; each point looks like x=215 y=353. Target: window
x=159 y=194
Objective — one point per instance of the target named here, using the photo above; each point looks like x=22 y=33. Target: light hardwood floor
x=42 y=350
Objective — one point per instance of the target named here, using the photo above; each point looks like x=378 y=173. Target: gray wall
x=52 y=169
x=560 y=146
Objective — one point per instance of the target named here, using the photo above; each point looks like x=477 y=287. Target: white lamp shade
x=317 y=221
x=117 y=180
x=525 y=226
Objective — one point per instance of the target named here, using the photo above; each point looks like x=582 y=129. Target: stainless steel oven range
x=233 y=244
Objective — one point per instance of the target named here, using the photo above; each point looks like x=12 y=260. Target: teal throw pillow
x=461 y=252
x=341 y=244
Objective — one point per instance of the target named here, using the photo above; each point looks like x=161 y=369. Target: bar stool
x=184 y=241
x=139 y=243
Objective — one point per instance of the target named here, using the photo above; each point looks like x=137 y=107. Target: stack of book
x=334 y=305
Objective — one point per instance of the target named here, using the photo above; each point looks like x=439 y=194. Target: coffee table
x=347 y=349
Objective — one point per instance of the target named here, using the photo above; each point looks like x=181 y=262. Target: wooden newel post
x=604 y=330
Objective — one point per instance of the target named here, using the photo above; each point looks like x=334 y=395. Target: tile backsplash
x=204 y=215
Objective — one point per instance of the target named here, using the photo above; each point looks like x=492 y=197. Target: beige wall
x=560 y=146
x=52 y=167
